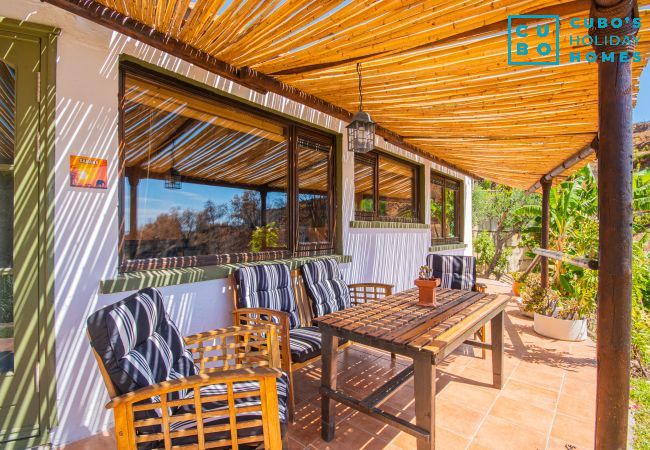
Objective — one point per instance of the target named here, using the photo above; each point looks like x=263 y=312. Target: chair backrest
x=267 y=286
x=325 y=286
x=136 y=343
x=455 y=272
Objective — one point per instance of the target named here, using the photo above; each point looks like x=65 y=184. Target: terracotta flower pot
x=427 y=291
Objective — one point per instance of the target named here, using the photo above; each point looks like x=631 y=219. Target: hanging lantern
x=361 y=131
x=173 y=177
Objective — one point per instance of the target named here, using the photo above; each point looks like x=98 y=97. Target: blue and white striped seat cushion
x=455 y=272
x=138 y=343
x=325 y=286
x=267 y=286
x=306 y=343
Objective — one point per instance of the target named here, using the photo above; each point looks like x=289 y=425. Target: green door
x=19 y=237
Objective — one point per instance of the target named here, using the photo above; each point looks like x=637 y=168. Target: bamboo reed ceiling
x=435 y=73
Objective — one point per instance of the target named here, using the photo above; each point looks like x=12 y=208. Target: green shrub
x=484 y=248
x=640 y=399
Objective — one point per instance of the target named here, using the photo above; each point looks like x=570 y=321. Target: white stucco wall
x=86 y=221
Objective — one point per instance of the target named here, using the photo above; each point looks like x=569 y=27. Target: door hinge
x=38 y=376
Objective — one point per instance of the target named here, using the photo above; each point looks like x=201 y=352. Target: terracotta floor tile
x=524 y=414
x=351 y=437
x=474 y=397
x=575 y=430
x=561 y=444
x=459 y=419
x=572 y=405
x=539 y=375
x=579 y=387
x=499 y=434
x=529 y=393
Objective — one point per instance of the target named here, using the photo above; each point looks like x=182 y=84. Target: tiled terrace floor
x=547 y=401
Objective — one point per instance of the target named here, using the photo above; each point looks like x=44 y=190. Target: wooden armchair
x=236 y=398
x=295 y=328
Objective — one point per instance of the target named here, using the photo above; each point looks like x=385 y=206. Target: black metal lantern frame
x=173 y=179
x=361 y=131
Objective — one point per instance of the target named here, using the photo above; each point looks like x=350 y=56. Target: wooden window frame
x=294 y=130
x=458 y=213
x=373 y=158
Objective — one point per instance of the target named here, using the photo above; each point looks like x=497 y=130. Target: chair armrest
x=387 y=287
x=480 y=287
x=227 y=331
x=207 y=378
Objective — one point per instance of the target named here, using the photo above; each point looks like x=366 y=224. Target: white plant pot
x=562 y=329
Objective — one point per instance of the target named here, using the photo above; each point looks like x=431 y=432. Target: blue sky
x=642 y=109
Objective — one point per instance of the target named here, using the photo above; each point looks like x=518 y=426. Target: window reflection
x=445 y=209
x=397 y=185
x=233 y=167
x=364 y=183
x=314 y=191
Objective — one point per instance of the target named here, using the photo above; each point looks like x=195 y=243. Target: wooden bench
x=359 y=293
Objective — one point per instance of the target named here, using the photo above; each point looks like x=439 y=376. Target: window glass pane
x=314 y=191
x=232 y=166
x=396 y=189
x=450 y=212
x=364 y=183
x=7 y=140
x=436 y=208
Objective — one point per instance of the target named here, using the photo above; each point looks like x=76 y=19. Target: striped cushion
x=325 y=286
x=455 y=272
x=138 y=343
x=267 y=286
x=305 y=343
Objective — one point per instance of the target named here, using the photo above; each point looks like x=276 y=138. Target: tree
x=494 y=206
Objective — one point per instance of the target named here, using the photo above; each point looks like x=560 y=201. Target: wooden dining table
x=425 y=334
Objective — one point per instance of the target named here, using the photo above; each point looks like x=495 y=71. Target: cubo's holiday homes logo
x=534 y=40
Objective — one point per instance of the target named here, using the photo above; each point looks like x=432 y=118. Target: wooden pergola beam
x=566 y=164
x=245 y=76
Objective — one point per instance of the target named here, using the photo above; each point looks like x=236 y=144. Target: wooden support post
x=328 y=381
x=615 y=233
x=496 y=335
x=425 y=399
x=546 y=214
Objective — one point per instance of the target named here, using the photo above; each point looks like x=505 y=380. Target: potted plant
x=427 y=286
x=518 y=280
x=557 y=316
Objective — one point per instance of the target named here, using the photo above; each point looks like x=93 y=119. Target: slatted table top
x=399 y=321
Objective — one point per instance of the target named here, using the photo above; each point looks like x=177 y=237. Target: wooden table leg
x=425 y=398
x=328 y=380
x=496 y=328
